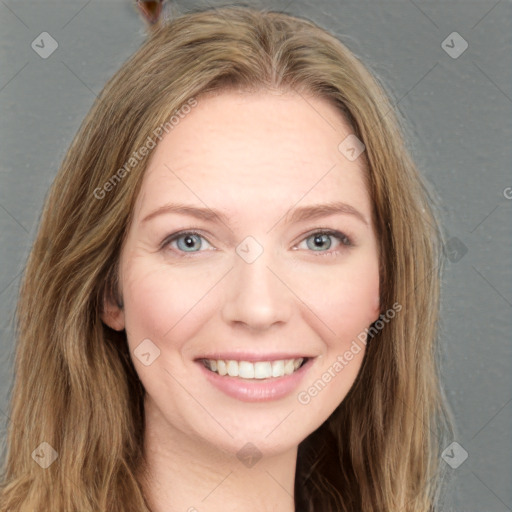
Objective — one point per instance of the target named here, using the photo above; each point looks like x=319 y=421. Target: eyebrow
x=293 y=215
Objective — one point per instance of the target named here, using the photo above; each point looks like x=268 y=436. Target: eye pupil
x=188 y=241
x=191 y=242
x=320 y=239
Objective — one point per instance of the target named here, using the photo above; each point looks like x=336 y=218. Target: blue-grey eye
x=322 y=240
x=319 y=241
x=191 y=242
x=186 y=242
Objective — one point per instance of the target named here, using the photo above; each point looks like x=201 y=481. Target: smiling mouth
x=254 y=371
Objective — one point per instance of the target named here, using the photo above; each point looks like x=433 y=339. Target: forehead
x=251 y=149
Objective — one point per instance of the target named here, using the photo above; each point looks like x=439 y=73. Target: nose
x=256 y=294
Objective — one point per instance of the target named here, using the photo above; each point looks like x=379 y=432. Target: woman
x=232 y=300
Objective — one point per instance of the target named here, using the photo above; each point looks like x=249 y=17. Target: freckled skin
x=253 y=157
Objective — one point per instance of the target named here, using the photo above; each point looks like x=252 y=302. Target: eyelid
x=174 y=236
x=335 y=233
x=318 y=231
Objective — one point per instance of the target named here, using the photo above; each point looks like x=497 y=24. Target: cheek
x=167 y=303
x=343 y=303
x=164 y=303
x=345 y=306
x=344 y=298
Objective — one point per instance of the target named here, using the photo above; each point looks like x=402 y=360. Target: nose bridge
x=255 y=296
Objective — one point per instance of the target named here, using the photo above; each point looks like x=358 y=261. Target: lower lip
x=256 y=390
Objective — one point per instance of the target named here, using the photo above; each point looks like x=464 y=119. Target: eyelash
x=345 y=240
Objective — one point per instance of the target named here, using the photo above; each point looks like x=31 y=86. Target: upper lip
x=252 y=357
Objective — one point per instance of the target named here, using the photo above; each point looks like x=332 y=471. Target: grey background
x=458 y=112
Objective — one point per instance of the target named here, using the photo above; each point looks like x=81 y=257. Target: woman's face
x=259 y=282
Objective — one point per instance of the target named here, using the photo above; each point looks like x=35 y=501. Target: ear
x=112 y=313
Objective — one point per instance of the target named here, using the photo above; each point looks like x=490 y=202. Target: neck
x=187 y=474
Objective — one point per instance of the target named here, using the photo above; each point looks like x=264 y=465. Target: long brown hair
x=75 y=385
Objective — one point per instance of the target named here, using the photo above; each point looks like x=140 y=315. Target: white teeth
x=262 y=370
x=277 y=368
x=246 y=370
x=232 y=367
x=258 y=370
x=288 y=367
x=221 y=367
